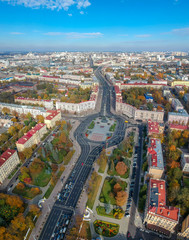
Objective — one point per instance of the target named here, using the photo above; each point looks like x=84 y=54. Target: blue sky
x=109 y=25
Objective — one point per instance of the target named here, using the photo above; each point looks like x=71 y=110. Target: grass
x=112 y=128
x=51 y=187
x=41 y=179
x=93 y=192
x=26 y=192
x=107 y=195
x=49 y=191
x=106 y=229
x=86 y=231
x=91 y=126
x=102 y=212
x=68 y=157
x=186 y=181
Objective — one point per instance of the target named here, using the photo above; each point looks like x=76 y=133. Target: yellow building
x=52 y=118
x=180 y=83
x=8 y=161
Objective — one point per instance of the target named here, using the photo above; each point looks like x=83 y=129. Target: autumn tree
x=40 y=119
x=20 y=186
x=18 y=223
x=12 y=130
x=5 y=110
x=121 y=168
x=117 y=188
x=121 y=198
x=34 y=209
x=27 y=152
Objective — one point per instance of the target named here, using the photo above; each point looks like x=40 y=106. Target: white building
x=185 y=162
x=8 y=161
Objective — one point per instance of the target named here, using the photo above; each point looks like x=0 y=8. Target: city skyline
x=82 y=25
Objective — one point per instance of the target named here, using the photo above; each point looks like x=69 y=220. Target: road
x=71 y=191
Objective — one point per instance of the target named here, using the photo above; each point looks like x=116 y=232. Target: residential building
x=178 y=127
x=46 y=103
x=158 y=216
x=180 y=117
x=32 y=137
x=186 y=97
x=52 y=118
x=155 y=158
x=180 y=83
x=21 y=109
x=154 y=128
x=185 y=228
x=148 y=97
x=176 y=104
x=185 y=162
x=8 y=161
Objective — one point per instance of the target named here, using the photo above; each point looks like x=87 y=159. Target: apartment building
x=185 y=228
x=21 y=109
x=155 y=158
x=185 y=162
x=180 y=117
x=8 y=161
x=80 y=107
x=158 y=216
x=46 y=103
x=52 y=118
x=154 y=128
x=32 y=137
x=178 y=127
x=176 y=104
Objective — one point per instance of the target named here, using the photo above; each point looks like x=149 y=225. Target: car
x=127 y=215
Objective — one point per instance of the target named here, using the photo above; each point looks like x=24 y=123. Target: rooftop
x=153 y=127
x=157 y=201
x=155 y=152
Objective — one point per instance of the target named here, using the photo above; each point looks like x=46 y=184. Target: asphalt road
x=71 y=191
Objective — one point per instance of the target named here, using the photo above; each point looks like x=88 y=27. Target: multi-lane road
x=71 y=191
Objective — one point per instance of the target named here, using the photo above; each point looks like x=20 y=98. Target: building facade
x=52 y=118
x=8 y=161
x=185 y=162
x=46 y=103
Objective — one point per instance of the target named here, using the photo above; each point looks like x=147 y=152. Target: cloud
x=50 y=4
x=143 y=35
x=81 y=12
x=70 y=14
x=75 y=35
x=181 y=31
x=16 y=33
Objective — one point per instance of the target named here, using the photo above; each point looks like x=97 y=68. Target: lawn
x=86 y=231
x=107 y=195
x=102 y=211
x=91 y=126
x=26 y=192
x=186 y=181
x=49 y=191
x=68 y=157
x=112 y=128
x=106 y=229
x=92 y=194
x=41 y=179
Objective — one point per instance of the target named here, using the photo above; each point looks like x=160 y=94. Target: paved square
x=101 y=130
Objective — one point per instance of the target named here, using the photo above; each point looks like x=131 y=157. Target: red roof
x=158 y=191
x=178 y=127
x=53 y=114
x=6 y=155
x=51 y=76
x=29 y=134
x=153 y=127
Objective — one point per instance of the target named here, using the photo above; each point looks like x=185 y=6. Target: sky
x=94 y=25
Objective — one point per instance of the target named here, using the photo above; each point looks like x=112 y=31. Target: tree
x=117 y=188
x=5 y=110
x=62 y=137
x=121 y=198
x=40 y=119
x=19 y=223
x=27 y=152
x=34 y=209
x=28 y=116
x=121 y=168
x=20 y=186
x=12 y=130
